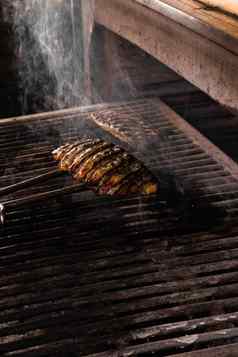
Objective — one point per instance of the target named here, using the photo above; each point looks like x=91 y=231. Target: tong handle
x=38 y=198
x=29 y=182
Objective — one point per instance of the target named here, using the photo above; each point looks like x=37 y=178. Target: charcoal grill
x=82 y=275
x=95 y=276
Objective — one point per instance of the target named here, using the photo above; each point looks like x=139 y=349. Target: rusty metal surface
x=89 y=276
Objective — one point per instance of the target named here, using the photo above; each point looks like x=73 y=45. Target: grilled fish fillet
x=106 y=167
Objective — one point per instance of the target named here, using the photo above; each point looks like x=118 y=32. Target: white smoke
x=48 y=49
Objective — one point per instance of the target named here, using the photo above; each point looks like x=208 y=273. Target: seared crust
x=76 y=150
x=94 y=161
x=124 y=173
x=100 y=175
x=84 y=154
x=107 y=168
x=58 y=152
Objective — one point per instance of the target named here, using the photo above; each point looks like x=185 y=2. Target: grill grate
x=98 y=276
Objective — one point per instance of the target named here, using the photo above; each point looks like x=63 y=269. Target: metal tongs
x=16 y=203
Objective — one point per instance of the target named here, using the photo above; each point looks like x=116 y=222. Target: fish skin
x=63 y=150
x=122 y=175
x=85 y=154
x=58 y=152
x=71 y=154
x=107 y=168
x=92 y=162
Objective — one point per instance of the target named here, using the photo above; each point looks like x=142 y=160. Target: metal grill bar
x=96 y=276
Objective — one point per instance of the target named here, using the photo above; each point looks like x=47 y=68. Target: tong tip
x=2 y=213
